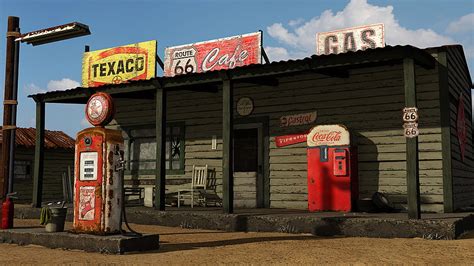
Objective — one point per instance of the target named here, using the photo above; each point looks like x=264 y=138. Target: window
x=22 y=169
x=141 y=150
x=174 y=147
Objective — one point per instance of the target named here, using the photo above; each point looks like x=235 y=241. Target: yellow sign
x=119 y=64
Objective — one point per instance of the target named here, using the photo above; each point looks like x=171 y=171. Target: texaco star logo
x=117 y=80
x=95 y=108
x=99 y=109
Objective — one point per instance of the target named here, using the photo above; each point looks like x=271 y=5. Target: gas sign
x=225 y=53
x=350 y=39
x=119 y=64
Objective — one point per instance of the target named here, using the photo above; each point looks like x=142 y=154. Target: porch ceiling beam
x=338 y=73
x=263 y=81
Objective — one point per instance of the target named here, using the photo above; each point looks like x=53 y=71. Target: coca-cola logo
x=331 y=136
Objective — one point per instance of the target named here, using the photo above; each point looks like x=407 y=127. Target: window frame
x=131 y=140
x=28 y=167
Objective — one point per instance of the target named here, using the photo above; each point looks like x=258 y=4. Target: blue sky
x=289 y=32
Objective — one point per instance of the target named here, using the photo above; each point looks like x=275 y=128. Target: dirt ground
x=191 y=246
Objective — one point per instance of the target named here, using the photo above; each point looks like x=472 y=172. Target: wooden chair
x=203 y=187
x=198 y=184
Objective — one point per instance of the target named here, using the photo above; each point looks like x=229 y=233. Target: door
x=248 y=166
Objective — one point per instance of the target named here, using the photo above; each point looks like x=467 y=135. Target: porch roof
x=333 y=65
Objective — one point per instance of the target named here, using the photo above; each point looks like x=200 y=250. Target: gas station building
x=200 y=119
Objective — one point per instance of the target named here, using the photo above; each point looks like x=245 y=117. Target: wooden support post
x=228 y=145
x=160 y=178
x=39 y=156
x=413 y=182
x=448 y=199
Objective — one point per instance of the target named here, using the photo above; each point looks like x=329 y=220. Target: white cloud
x=463 y=24
x=277 y=53
x=63 y=84
x=302 y=39
x=295 y=22
x=53 y=85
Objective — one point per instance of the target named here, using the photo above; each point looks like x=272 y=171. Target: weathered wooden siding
x=56 y=162
x=462 y=171
x=369 y=102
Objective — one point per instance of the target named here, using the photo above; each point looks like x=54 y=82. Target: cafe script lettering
x=350 y=39
x=211 y=55
x=119 y=64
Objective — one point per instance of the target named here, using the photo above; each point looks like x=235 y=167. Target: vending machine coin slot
x=324 y=153
x=340 y=162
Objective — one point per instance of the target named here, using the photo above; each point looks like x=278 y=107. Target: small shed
x=58 y=156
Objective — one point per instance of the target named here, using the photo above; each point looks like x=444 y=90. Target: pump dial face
x=99 y=109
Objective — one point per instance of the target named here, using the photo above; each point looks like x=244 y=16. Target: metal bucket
x=58 y=218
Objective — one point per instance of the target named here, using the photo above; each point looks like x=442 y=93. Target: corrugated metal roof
x=25 y=137
x=377 y=55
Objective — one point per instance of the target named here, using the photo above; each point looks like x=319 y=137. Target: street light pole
x=38 y=37
x=9 y=105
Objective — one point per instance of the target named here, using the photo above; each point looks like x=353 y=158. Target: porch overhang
x=332 y=65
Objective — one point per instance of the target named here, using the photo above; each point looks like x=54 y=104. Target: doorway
x=249 y=165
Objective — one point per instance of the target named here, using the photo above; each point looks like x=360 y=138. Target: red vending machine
x=332 y=169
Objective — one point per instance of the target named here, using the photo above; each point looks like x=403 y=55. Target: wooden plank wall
x=369 y=102
x=56 y=162
x=462 y=171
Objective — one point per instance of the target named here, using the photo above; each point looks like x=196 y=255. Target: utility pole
x=9 y=104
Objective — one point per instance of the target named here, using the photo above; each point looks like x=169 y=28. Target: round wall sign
x=100 y=109
x=244 y=106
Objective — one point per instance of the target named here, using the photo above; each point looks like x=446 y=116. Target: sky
x=289 y=29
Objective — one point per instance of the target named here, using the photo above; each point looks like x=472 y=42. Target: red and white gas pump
x=332 y=169
x=98 y=169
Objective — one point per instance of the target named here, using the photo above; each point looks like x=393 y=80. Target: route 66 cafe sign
x=225 y=53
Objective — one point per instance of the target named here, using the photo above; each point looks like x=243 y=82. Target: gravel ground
x=192 y=246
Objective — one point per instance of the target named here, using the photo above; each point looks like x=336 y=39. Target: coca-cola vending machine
x=332 y=169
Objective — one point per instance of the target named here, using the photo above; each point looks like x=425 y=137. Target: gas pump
x=332 y=169
x=98 y=171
